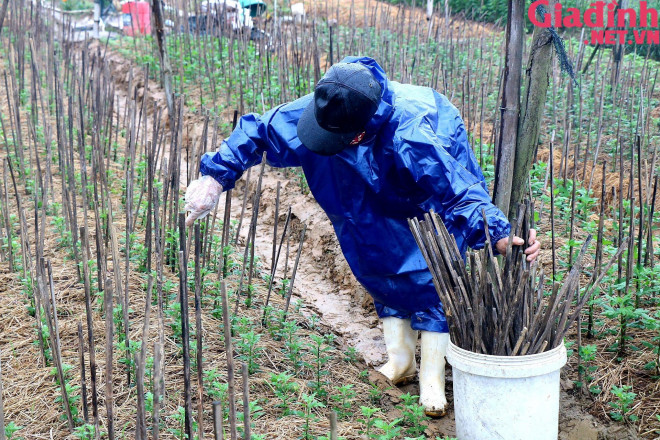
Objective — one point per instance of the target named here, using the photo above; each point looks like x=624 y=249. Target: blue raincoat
x=415 y=157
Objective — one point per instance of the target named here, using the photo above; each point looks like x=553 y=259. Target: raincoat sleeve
x=456 y=191
x=254 y=135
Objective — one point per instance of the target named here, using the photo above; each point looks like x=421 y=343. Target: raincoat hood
x=385 y=108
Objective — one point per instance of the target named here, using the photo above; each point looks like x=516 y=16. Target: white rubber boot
x=401 y=341
x=432 y=373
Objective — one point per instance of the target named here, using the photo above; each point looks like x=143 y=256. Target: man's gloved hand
x=532 y=251
x=201 y=197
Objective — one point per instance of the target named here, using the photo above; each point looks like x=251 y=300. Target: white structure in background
x=429 y=9
x=237 y=17
x=298 y=12
x=97 y=18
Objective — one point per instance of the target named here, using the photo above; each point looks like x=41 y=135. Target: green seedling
x=622 y=309
x=217 y=389
x=45 y=334
x=351 y=355
x=71 y=391
x=310 y=404
x=284 y=287
x=241 y=324
x=586 y=368
x=390 y=430
x=375 y=393
x=623 y=403
x=368 y=420
x=11 y=429
x=342 y=398
x=256 y=412
x=653 y=323
x=293 y=346
x=285 y=389
x=320 y=358
x=179 y=417
x=84 y=432
x=413 y=415
x=128 y=354
x=250 y=351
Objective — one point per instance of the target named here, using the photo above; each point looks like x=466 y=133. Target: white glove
x=201 y=197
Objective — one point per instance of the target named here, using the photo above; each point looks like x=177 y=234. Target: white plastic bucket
x=506 y=397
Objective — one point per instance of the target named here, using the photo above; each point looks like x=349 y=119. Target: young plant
x=284 y=287
x=351 y=355
x=256 y=412
x=309 y=405
x=10 y=429
x=653 y=323
x=293 y=346
x=375 y=393
x=343 y=400
x=413 y=415
x=128 y=354
x=586 y=368
x=249 y=349
x=622 y=309
x=71 y=391
x=285 y=389
x=216 y=389
x=179 y=417
x=318 y=349
x=84 y=432
x=369 y=420
x=623 y=403
x=390 y=430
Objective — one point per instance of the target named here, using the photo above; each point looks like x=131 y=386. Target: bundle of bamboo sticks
x=499 y=306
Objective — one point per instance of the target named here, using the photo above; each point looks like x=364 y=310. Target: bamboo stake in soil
x=246 y=403
x=226 y=322
x=2 y=409
x=83 y=381
x=249 y=244
x=109 y=331
x=90 y=330
x=274 y=265
x=141 y=422
x=217 y=420
x=198 y=329
x=222 y=269
x=295 y=268
x=53 y=327
x=185 y=329
x=333 y=425
x=245 y=197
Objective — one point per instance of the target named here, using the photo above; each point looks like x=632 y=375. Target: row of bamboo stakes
x=86 y=96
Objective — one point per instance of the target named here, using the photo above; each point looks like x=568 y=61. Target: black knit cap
x=345 y=100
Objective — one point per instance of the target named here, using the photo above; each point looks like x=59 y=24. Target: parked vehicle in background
x=217 y=15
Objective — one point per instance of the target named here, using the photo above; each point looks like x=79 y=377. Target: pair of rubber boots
x=401 y=341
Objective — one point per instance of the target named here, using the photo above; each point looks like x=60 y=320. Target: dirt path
x=324 y=280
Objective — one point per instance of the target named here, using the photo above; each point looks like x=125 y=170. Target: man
x=375 y=153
